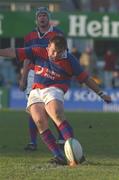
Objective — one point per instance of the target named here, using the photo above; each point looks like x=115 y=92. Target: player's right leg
x=55 y=110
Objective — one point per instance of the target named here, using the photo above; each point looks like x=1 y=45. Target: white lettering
x=93 y=97
x=94 y=28
x=67 y=96
x=111 y=107
x=81 y=26
x=77 y=25
x=1 y=18
x=105 y=26
x=115 y=29
x=79 y=96
x=85 y=96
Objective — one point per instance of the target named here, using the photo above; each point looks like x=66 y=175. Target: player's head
x=57 y=47
x=42 y=16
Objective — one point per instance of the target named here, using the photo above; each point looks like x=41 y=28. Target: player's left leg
x=55 y=110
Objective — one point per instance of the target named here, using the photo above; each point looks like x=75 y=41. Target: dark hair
x=60 y=42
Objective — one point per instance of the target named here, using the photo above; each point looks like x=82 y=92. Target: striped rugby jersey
x=34 y=38
x=48 y=73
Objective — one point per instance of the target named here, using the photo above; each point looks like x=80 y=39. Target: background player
x=38 y=37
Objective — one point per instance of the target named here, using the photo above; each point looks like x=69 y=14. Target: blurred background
x=92 y=31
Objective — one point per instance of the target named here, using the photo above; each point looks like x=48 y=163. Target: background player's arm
x=8 y=52
x=24 y=75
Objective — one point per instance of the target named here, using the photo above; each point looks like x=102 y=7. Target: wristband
x=101 y=94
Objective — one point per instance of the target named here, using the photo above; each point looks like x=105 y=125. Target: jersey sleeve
x=24 y=53
x=78 y=70
x=31 y=53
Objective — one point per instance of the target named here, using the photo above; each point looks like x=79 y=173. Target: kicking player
x=38 y=37
x=54 y=68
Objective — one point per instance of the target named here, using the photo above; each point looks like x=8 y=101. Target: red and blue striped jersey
x=34 y=38
x=48 y=73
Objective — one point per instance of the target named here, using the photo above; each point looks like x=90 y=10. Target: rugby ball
x=73 y=151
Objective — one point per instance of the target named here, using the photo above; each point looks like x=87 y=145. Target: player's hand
x=22 y=85
x=107 y=98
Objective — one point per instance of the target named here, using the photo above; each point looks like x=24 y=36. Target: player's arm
x=93 y=85
x=19 y=53
x=83 y=77
x=24 y=75
x=8 y=52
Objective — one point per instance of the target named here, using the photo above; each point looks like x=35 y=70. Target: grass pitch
x=97 y=132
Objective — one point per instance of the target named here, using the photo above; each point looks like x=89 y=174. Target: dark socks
x=33 y=130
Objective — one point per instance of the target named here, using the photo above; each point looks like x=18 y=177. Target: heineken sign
x=82 y=25
x=79 y=26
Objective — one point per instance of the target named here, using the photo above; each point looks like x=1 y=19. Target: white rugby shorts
x=45 y=95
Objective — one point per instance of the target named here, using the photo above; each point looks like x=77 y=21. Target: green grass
x=97 y=132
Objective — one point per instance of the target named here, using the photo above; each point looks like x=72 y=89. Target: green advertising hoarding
x=4 y=98
x=83 y=25
x=15 y=24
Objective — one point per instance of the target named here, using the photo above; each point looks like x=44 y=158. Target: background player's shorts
x=45 y=95
x=30 y=81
